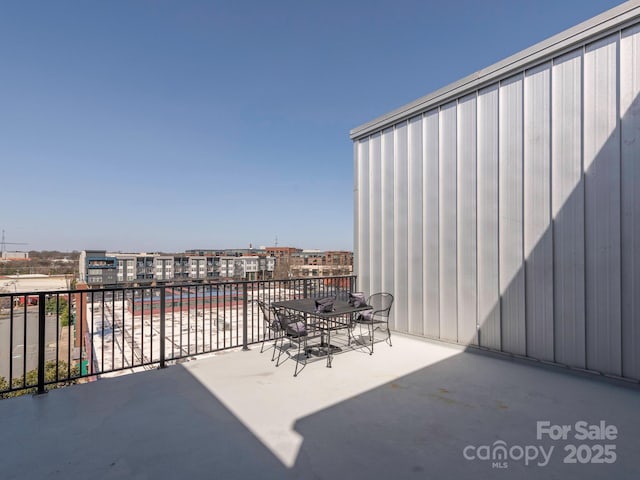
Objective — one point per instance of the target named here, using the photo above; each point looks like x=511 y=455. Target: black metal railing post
x=41 y=342
x=162 y=324
x=245 y=317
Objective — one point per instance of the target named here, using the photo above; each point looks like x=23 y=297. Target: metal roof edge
x=601 y=25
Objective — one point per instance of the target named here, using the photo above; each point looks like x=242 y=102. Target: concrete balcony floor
x=408 y=411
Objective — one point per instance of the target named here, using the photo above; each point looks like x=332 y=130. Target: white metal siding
x=567 y=210
x=538 y=235
x=431 y=232
x=602 y=206
x=511 y=226
x=362 y=215
x=375 y=216
x=448 y=224
x=488 y=254
x=515 y=207
x=416 y=226
x=466 y=241
x=400 y=232
x=387 y=220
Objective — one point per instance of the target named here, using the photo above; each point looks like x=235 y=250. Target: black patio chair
x=377 y=317
x=271 y=323
x=294 y=328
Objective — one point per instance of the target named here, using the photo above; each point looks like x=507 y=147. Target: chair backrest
x=381 y=303
x=269 y=315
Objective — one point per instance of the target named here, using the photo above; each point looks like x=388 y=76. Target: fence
x=60 y=337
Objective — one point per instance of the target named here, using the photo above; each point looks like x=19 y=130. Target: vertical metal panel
x=448 y=224
x=538 y=234
x=511 y=226
x=356 y=206
x=375 y=215
x=466 y=241
x=387 y=165
x=416 y=225
x=400 y=229
x=431 y=231
x=630 y=241
x=488 y=253
x=602 y=206
x=567 y=209
x=361 y=175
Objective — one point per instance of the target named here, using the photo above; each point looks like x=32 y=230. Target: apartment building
x=126 y=268
x=163 y=268
x=99 y=268
x=247 y=267
x=314 y=263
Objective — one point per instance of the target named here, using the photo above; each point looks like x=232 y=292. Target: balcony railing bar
x=24 y=347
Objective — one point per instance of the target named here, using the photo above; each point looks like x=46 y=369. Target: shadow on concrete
x=418 y=425
x=160 y=424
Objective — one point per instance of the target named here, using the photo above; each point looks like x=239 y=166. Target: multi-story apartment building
x=212 y=267
x=126 y=269
x=229 y=252
x=181 y=267
x=99 y=268
x=339 y=257
x=163 y=268
x=145 y=271
x=246 y=267
x=197 y=268
x=314 y=263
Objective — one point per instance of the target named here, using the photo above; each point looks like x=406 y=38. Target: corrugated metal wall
x=510 y=217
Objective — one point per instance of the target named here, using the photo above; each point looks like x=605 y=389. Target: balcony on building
x=502 y=212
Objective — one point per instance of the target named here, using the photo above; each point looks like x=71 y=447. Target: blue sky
x=170 y=125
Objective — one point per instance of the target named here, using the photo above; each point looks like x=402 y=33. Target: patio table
x=339 y=318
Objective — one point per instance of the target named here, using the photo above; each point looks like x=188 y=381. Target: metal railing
x=50 y=339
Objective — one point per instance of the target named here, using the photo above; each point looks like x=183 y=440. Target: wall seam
x=583 y=177
x=498 y=158
x=551 y=219
x=522 y=208
x=621 y=208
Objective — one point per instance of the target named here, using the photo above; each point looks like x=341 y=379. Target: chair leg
x=350 y=331
x=280 y=350
x=362 y=341
x=372 y=330
x=275 y=346
x=295 y=373
x=389 y=333
x=264 y=339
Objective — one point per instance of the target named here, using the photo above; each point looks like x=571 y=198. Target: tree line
x=48 y=262
x=53 y=371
